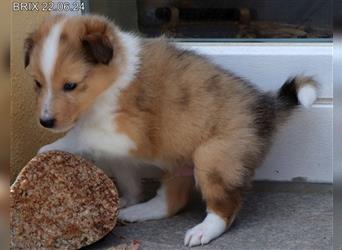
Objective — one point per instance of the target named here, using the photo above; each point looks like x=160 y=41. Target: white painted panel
x=270 y=72
x=302 y=148
x=268 y=66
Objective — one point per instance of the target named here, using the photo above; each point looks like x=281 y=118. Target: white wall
x=303 y=147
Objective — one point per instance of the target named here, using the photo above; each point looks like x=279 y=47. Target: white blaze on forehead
x=48 y=61
x=50 y=50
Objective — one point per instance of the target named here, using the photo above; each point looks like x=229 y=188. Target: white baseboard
x=302 y=149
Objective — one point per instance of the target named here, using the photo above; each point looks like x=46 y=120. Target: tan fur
x=177 y=105
x=178 y=191
x=170 y=109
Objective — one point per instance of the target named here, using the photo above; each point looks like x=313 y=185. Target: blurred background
x=233 y=20
x=338 y=125
x=27 y=136
x=4 y=121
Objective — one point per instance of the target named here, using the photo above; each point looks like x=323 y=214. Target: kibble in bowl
x=61 y=201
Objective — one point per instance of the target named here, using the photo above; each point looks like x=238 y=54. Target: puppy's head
x=72 y=60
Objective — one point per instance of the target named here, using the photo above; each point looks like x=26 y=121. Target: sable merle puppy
x=121 y=97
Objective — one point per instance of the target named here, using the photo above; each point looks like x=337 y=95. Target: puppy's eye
x=38 y=84
x=69 y=86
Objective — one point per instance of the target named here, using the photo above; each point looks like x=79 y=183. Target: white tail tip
x=307 y=95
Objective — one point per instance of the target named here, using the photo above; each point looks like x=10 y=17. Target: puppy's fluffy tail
x=299 y=90
x=273 y=109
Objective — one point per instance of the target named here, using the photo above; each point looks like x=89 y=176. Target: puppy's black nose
x=48 y=123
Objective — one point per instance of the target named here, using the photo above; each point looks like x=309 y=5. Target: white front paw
x=46 y=148
x=212 y=227
x=56 y=146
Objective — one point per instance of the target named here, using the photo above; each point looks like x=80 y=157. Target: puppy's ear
x=28 y=47
x=98 y=48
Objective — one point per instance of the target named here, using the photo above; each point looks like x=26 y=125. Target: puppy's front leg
x=67 y=143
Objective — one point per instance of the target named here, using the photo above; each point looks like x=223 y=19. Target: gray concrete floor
x=275 y=216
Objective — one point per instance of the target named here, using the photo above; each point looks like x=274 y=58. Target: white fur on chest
x=98 y=135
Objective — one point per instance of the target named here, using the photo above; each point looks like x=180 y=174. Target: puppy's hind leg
x=219 y=174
